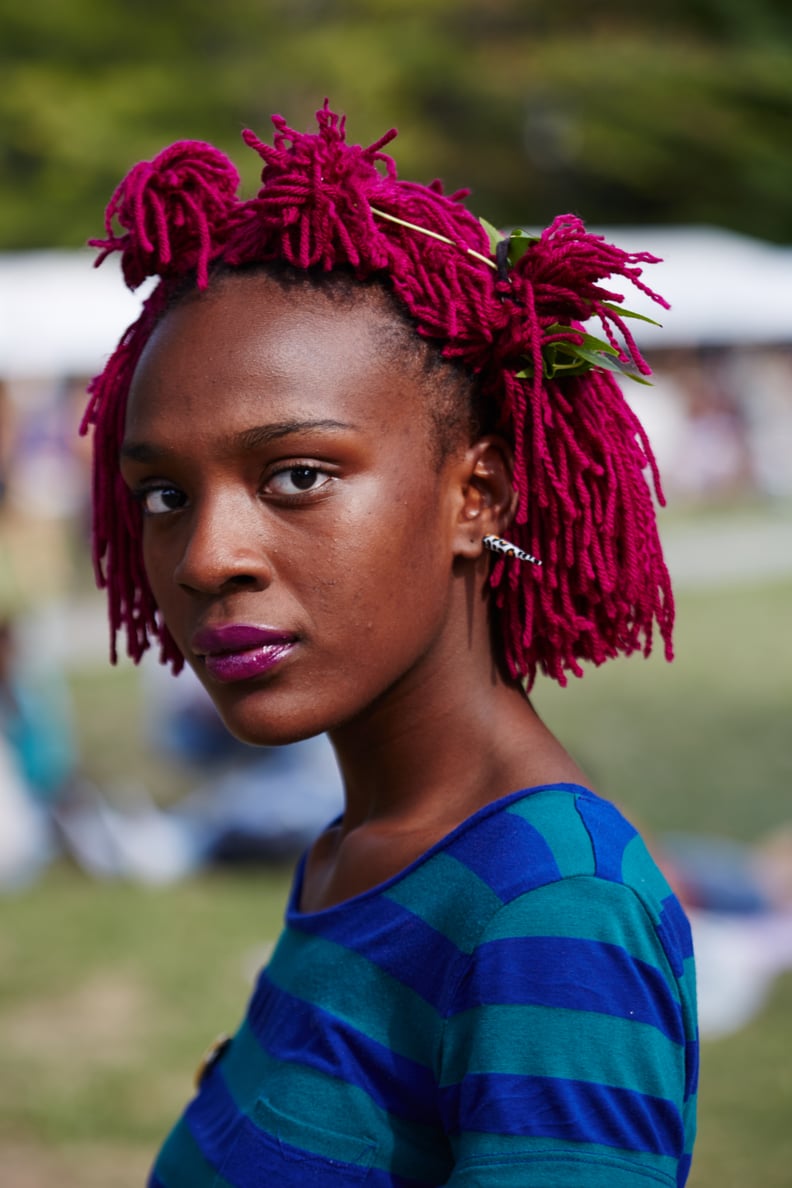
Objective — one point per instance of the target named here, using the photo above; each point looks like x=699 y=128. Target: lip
x=241 y=651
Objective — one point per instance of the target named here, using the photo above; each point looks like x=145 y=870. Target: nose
x=224 y=547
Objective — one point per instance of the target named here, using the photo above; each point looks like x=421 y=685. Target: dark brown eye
x=158 y=501
x=296 y=479
x=303 y=477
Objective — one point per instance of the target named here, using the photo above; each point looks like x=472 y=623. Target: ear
x=488 y=499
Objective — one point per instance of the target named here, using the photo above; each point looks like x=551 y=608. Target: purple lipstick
x=240 y=651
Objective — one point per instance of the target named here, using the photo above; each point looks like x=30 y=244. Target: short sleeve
x=566 y=1055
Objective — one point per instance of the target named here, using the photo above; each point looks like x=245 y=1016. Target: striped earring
x=496 y=544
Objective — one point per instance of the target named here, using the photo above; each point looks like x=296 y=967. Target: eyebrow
x=248 y=439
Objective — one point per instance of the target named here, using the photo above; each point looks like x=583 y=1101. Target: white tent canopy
x=723 y=288
x=60 y=316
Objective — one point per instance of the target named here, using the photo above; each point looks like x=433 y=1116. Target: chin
x=267 y=725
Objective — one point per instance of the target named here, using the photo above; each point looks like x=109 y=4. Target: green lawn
x=109 y=994
x=701 y=744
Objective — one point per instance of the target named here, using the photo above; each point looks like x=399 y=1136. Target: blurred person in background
x=248 y=803
x=39 y=761
x=5 y=442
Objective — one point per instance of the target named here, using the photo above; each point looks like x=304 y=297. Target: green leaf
x=519 y=242
x=559 y=328
x=494 y=234
x=585 y=340
x=558 y=358
x=564 y=358
x=574 y=367
x=628 y=313
x=636 y=377
x=599 y=359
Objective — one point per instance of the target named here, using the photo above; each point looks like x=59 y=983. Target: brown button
x=210 y=1058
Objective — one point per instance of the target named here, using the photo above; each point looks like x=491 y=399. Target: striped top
x=516 y=1007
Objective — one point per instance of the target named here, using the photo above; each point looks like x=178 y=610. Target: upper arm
x=568 y=1042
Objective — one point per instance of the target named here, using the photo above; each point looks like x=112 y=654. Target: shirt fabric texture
x=515 y=1008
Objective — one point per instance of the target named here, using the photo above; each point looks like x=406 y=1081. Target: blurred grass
x=109 y=994
x=701 y=744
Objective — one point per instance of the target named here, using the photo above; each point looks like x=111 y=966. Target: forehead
x=250 y=345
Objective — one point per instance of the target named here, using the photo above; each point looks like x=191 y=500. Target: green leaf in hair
x=628 y=313
x=519 y=242
x=494 y=234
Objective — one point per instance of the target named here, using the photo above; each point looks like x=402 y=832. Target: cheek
x=159 y=563
x=405 y=537
x=154 y=566
x=384 y=582
x=155 y=559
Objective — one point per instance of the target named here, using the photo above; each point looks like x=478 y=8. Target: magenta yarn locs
x=173 y=209
x=581 y=456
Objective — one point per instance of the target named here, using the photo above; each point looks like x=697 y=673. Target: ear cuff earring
x=496 y=544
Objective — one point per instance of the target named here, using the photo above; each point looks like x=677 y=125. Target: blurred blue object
x=717 y=873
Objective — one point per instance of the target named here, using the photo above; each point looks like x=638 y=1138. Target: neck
x=453 y=735
x=449 y=739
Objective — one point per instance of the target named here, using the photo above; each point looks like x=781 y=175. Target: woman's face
x=298 y=527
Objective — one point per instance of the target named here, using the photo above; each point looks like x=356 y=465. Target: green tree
x=673 y=112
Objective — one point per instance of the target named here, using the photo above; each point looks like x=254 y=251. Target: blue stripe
x=181 y=1162
x=154 y=1182
x=507 y=853
x=259 y=1158
x=674 y=932
x=354 y=988
x=395 y=940
x=610 y=835
x=450 y=898
x=248 y=1156
x=691 y=1067
x=575 y=1111
x=213 y=1118
x=294 y=917
x=581 y=975
x=555 y=814
x=298 y=1032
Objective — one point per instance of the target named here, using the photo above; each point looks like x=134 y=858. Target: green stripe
x=553 y=1042
x=687 y=986
x=310 y=1109
x=512 y=1161
x=355 y=989
x=180 y=1162
x=450 y=898
x=314 y=1137
x=584 y=908
x=246 y=1066
x=640 y=871
x=691 y=1114
x=555 y=816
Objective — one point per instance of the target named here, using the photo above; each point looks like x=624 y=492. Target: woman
x=373 y=477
